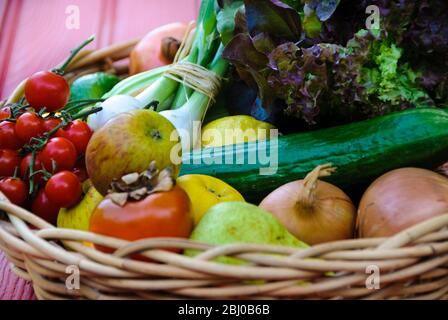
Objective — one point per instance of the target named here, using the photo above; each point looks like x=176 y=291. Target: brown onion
x=400 y=199
x=314 y=211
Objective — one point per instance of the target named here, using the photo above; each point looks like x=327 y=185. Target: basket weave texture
x=411 y=265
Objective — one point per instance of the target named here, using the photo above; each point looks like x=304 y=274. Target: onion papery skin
x=400 y=199
x=331 y=216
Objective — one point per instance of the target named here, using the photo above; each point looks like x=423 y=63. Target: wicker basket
x=410 y=265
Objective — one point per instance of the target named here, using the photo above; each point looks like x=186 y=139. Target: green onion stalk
x=203 y=49
x=187 y=105
x=188 y=118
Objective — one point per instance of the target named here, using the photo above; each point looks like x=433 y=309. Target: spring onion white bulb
x=112 y=107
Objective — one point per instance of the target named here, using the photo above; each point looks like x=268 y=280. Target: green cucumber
x=361 y=151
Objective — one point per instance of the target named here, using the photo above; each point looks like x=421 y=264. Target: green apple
x=128 y=143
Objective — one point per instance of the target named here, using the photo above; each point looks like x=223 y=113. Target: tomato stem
x=18 y=108
x=15 y=109
x=44 y=172
x=42 y=112
x=84 y=101
x=61 y=69
x=37 y=144
x=80 y=103
x=86 y=113
x=16 y=173
x=31 y=171
x=152 y=105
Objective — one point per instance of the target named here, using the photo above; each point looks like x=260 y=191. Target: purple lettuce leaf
x=344 y=74
x=273 y=17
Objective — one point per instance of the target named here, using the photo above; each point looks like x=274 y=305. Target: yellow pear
x=234 y=130
x=205 y=192
x=78 y=217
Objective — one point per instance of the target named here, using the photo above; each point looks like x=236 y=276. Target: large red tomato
x=163 y=214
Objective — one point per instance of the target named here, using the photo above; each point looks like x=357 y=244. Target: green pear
x=78 y=217
x=241 y=222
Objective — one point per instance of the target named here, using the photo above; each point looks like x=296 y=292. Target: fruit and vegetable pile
x=361 y=112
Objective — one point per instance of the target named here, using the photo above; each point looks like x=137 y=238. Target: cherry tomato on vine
x=29 y=125
x=8 y=136
x=64 y=189
x=44 y=208
x=51 y=123
x=48 y=90
x=25 y=168
x=162 y=214
x=80 y=170
x=59 y=152
x=14 y=189
x=5 y=113
x=79 y=133
x=9 y=162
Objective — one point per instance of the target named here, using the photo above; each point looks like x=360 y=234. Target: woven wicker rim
x=413 y=264
x=40 y=255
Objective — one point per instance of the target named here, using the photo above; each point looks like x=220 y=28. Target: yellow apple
x=205 y=192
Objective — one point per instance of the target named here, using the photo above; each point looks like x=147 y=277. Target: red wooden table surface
x=37 y=34
x=34 y=33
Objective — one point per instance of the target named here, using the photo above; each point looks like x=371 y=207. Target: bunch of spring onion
x=179 y=103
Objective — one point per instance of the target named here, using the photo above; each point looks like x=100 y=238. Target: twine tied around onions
x=192 y=75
